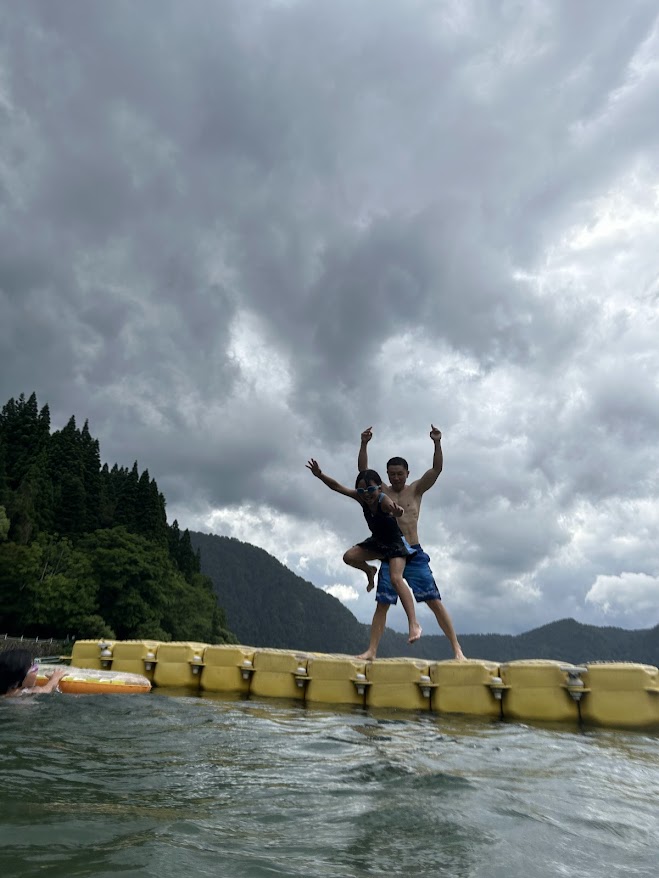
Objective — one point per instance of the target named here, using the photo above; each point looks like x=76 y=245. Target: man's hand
x=315 y=469
x=435 y=434
x=367 y=435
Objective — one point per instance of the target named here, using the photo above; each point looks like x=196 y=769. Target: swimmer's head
x=15 y=668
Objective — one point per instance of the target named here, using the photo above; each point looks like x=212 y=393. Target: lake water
x=177 y=785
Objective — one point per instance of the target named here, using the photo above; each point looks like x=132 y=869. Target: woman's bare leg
x=357 y=557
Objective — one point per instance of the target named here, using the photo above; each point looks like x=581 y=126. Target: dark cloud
x=234 y=234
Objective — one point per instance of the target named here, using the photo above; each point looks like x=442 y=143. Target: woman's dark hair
x=367 y=476
x=14 y=665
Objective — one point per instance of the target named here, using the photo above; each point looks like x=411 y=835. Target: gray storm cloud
x=234 y=234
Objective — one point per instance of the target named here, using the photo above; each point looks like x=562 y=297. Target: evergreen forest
x=85 y=549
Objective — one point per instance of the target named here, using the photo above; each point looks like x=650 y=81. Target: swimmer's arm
x=429 y=478
x=362 y=457
x=330 y=482
x=50 y=686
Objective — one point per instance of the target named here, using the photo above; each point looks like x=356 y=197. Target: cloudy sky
x=234 y=234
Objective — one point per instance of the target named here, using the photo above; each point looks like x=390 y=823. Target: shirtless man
x=417 y=570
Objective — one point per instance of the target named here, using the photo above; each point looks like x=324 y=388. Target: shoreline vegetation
x=85 y=549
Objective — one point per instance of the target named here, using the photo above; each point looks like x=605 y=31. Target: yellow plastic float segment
x=227 y=668
x=176 y=663
x=538 y=689
x=133 y=656
x=87 y=653
x=397 y=682
x=336 y=679
x=622 y=694
x=468 y=687
x=279 y=673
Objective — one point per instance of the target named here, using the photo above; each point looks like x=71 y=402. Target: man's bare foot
x=459 y=655
x=368 y=656
x=371 y=577
x=415 y=633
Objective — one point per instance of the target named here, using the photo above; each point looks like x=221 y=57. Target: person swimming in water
x=386 y=542
x=18 y=675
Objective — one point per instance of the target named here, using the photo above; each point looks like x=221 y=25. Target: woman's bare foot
x=371 y=577
x=366 y=656
x=415 y=633
x=459 y=655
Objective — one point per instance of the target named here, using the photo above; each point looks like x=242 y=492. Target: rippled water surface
x=182 y=786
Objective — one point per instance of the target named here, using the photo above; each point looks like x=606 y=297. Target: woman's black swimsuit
x=386 y=540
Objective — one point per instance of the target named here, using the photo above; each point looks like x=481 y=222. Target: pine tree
x=24 y=433
x=31 y=506
x=69 y=496
x=91 y=478
x=127 y=510
x=110 y=489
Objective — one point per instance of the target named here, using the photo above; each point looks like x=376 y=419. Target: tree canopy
x=85 y=549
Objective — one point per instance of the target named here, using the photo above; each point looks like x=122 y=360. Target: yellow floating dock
x=613 y=694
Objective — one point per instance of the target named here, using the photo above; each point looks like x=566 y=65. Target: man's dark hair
x=14 y=665
x=398 y=461
x=367 y=476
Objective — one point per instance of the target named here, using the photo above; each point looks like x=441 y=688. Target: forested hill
x=85 y=549
x=268 y=605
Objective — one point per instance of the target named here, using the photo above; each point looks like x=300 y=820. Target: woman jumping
x=386 y=542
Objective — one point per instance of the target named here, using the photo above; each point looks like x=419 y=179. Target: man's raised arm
x=429 y=478
x=362 y=457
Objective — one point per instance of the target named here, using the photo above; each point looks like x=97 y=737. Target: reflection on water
x=175 y=785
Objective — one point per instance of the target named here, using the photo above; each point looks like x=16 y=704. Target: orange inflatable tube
x=85 y=681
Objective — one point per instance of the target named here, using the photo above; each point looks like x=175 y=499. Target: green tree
x=134 y=577
x=65 y=597
x=91 y=479
x=152 y=520
x=4 y=524
x=48 y=589
x=193 y=612
x=67 y=472
x=86 y=550
x=109 y=491
x=24 y=433
x=127 y=509
x=31 y=506
x=20 y=567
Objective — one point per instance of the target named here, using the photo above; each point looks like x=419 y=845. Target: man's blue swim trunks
x=418 y=575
